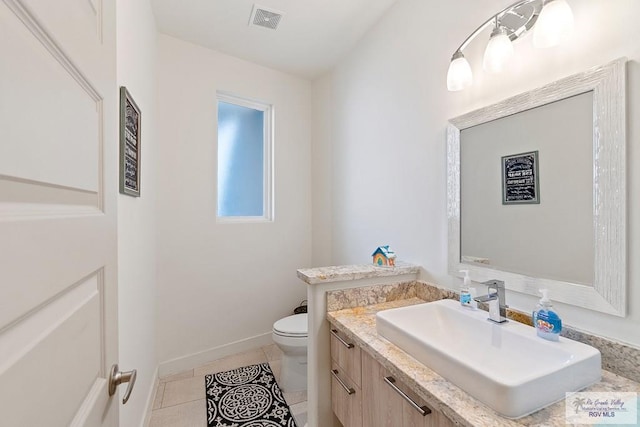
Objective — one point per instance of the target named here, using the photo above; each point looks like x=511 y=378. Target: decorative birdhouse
x=384 y=257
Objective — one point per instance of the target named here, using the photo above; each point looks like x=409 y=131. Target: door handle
x=334 y=332
x=117 y=377
x=423 y=410
x=346 y=388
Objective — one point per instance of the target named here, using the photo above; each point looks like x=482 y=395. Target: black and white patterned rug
x=246 y=397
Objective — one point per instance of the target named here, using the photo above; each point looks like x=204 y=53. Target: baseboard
x=191 y=361
x=151 y=398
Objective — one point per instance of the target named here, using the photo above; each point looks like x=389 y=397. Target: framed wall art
x=129 y=144
x=520 y=181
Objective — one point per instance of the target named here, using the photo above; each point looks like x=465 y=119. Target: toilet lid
x=295 y=325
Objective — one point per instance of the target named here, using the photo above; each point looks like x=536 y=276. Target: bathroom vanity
x=362 y=359
x=319 y=281
x=365 y=393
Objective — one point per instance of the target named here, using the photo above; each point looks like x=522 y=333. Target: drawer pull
x=346 y=388
x=334 y=332
x=424 y=410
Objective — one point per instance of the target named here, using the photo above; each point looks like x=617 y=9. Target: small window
x=244 y=159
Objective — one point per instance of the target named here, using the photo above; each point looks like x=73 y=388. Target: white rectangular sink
x=506 y=366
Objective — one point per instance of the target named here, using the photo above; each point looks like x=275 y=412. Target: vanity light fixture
x=499 y=50
x=555 y=24
x=554 y=21
x=459 y=75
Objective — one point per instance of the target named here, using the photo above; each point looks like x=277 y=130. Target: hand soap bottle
x=546 y=321
x=465 y=294
x=472 y=302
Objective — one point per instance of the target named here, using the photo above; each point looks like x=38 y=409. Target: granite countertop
x=359 y=324
x=340 y=273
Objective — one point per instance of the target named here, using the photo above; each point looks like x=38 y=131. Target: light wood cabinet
x=346 y=377
x=382 y=406
x=365 y=394
x=346 y=398
x=387 y=402
x=346 y=355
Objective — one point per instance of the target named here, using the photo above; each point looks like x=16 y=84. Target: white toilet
x=290 y=334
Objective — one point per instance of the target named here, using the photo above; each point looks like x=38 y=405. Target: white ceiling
x=312 y=36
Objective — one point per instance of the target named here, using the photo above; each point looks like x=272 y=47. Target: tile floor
x=180 y=399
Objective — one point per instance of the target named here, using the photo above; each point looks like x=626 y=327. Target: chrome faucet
x=496 y=299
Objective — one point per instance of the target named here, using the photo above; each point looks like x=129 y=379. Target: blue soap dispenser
x=546 y=321
x=465 y=293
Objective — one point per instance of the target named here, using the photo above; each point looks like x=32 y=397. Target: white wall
x=321 y=172
x=136 y=57
x=222 y=284
x=388 y=106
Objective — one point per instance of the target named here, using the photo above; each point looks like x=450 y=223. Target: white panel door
x=58 y=189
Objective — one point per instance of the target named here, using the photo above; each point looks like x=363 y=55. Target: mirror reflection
x=526 y=192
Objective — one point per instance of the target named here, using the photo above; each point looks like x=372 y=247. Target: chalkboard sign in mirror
x=520 y=182
x=129 y=144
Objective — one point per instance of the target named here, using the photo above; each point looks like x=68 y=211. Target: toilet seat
x=294 y=326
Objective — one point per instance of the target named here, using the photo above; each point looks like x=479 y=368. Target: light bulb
x=498 y=52
x=554 y=24
x=459 y=75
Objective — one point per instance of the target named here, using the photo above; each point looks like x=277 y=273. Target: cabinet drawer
x=346 y=398
x=347 y=356
x=389 y=403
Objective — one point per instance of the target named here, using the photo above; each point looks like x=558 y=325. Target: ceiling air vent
x=265 y=17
